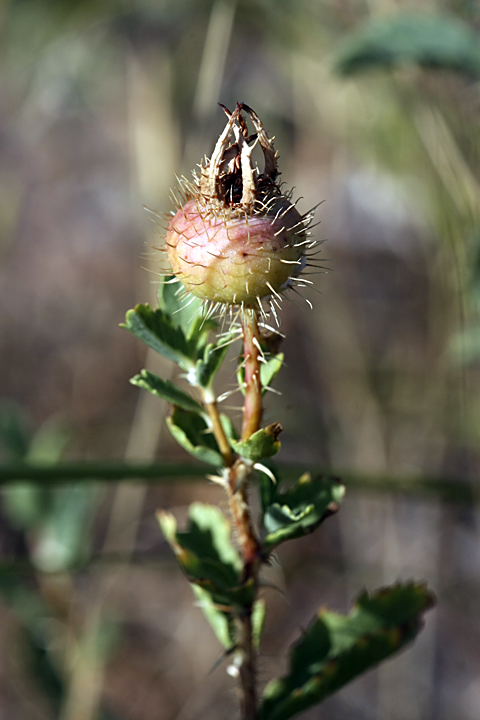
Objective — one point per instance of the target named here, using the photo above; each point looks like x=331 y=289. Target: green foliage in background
x=434 y=41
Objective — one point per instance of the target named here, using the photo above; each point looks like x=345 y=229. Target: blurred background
x=374 y=105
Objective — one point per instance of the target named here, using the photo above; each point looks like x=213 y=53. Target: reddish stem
x=252 y=409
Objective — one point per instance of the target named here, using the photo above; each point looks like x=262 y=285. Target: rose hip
x=237 y=238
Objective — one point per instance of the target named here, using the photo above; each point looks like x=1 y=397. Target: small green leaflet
x=261 y=445
x=268 y=371
x=336 y=648
x=207 y=367
x=299 y=510
x=192 y=432
x=185 y=312
x=207 y=556
x=168 y=391
x=156 y=329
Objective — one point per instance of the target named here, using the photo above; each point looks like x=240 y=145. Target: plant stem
x=238 y=478
x=252 y=409
x=237 y=488
x=248 y=702
x=219 y=433
x=237 y=475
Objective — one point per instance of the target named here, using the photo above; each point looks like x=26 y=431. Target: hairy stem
x=248 y=702
x=219 y=433
x=238 y=478
x=237 y=490
x=252 y=409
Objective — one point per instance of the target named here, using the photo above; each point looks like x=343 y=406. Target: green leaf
x=336 y=648
x=437 y=41
x=167 y=390
x=206 y=554
x=228 y=427
x=258 y=620
x=299 y=510
x=222 y=621
x=15 y=434
x=270 y=368
x=49 y=442
x=208 y=366
x=28 y=505
x=156 y=329
x=193 y=434
x=261 y=445
x=268 y=371
x=185 y=312
x=181 y=310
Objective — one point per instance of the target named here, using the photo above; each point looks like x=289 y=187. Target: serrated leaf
x=206 y=554
x=437 y=41
x=156 y=329
x=336 y=648
x=261 y=445
x=299 y=510
x=193 y=434
x=167 y=390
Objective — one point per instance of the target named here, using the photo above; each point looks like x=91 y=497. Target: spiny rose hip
x=237 y=238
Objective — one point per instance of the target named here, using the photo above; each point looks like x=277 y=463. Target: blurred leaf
x=156 y=329
x=258 y=620
x=15 y=434
x=29 y=505
x=26 y=504
x=57 y=518
x=49 y=442
x=206 y=554
x=167 y=390
x=261 y=445
x=337 y=648
x=38 y=634
x=228 y=427
x=42 y=669
x=464 y=347
x=20 y=593
x=63 y=538
x=193 y=434
x=222 y=621
x=436 y=41
x=300 y=510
